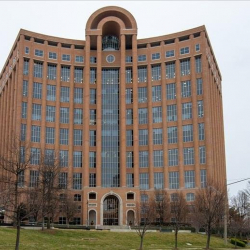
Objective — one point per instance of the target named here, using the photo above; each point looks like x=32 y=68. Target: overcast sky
x=228 y=26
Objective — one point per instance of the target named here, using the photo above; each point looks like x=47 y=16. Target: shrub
x=237 y=242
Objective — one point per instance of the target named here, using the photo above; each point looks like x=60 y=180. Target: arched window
x=110 y=43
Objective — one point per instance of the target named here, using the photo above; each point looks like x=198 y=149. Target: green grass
x=102 y=240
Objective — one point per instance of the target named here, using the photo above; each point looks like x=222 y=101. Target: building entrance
x=111 y=211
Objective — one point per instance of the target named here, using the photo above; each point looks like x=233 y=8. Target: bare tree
x=162 y=205
x=68 y=207
x=144 y=216
x=209 y=206
x=13 y=165
x=179 y=211
x=49 y=170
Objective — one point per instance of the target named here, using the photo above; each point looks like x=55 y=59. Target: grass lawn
x=81 y=239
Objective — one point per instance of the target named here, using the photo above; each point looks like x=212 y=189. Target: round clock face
x=110 y=58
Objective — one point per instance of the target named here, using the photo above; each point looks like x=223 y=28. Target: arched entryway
x=111 y=210
x=92 y=217
x=130 y=217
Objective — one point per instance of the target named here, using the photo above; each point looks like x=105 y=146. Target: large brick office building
x=126 y=115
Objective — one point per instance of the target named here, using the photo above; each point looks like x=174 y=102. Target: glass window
x=130 y=180
x=129 y=116
x=92 y=76
x=23 y=132
x=143 y=159
x=65 y=57
x=144 y=197
x=92 y=117
x=158 y=158
x=65 y=73
x=203 y=176
x=171 y=113
x=63 y=180
x=157 y=136
x=201 y=131
x=51 y=71
x=198 y=64
x=202 y=154
x=200 y=109
x=129 y=159
x=129 y=75
x=79 y=59
x=77 y=159
x=184 y=50
x=173 y=180
x=35 y=156
x=92 y=180
x=129 y=138
x=78 y=116
x=77 y=181
x=92 y=159
x=170 y=70
x=64 y=115
x=189 y=179
x=185 y=67
x=143 y=115
x=25 y=88
x=35 y=133
x=143 y=137
x=186 y=89
x=78 y=75
x=92 y=138
x=129 y=59
x=197 y=47
x=188 y=154
x=36 y=112
x=38 y=52
x=21 y=179
x=170 y=53
x=186 y=110
x=92 y=59
x=173 y=157
x=190 y=197
x=187 y=133
x=78 y=95
x=171 y=91
x=51 y=93
x=64 y=136
x=144 y=181
x=199 y=86
x=64 y=158
x=64 y=94
x=50 y=113
x=156 y=72
x=155 y=56
x=142 y=74
x=27 y=50
x=129 y=96
x=142 y=58
x=50 y=135
x=157 y=114
x=38 y=69
x=172 y=135
x=77 y=137
x=26 y=66
x=52 y=55
x=158 y=181
x=92 y=96
x=37 y=90
x=34 y=178
x=142 y=95
x=156 y=93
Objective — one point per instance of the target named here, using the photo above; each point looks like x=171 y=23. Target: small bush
x=237 y=242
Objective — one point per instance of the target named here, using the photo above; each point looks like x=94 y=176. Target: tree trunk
x=18 y=233
x=175 y=238
x=43 y=223
x=208 y=239
x=141 y=243
x=48 y=222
